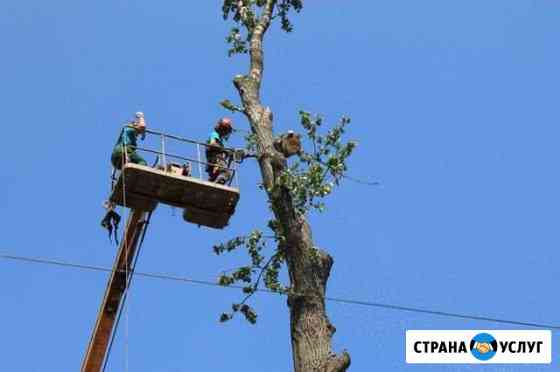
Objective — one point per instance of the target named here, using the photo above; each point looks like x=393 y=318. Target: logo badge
x=478 y=346
x=483 y=346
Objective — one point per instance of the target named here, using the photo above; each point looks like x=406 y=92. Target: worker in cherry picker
x=216 y=157
x=127 y=143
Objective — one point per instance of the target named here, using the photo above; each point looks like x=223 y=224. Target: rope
x=126 y=247
x=362 y=303
x=124 y=161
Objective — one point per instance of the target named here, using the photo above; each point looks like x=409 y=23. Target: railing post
x=199 y=161
x=163 y=159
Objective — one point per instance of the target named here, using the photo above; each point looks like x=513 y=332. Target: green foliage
x=228 y=105
x=244 y=309
x=242 y=11
x=251 y=275
x=271 y=276
x=238 y=44
x=246 y=14
x=315 y=174
x=284 y=7
x=230 y=245
x=309 y=179
x=249 y=313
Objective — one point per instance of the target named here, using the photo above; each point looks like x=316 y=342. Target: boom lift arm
x=116 y=288
x=141 y=188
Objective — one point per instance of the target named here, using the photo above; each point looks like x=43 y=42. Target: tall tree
x=294 y=189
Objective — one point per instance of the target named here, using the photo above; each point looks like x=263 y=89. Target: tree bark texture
x=308 y=267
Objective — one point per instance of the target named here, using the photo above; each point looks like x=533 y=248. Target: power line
x=362 y=182
x=330 y=299
x=350 y=178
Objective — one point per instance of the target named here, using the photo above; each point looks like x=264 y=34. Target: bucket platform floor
x=205 y=203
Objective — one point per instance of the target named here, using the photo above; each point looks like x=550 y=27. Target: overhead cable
x=327 y=298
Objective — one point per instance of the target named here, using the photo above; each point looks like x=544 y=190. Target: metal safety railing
x=164 y=155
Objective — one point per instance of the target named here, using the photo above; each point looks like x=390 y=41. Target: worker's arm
x=128 y=136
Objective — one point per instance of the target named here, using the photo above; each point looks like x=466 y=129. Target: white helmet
x=139 y=114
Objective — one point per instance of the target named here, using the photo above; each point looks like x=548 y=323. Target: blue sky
x=454 y=106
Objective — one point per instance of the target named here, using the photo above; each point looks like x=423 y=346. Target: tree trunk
x=308 y=267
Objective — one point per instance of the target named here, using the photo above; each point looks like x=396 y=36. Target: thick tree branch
x=256 y=49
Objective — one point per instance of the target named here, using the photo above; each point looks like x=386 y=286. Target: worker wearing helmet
x=125 y=149
x=216 y=158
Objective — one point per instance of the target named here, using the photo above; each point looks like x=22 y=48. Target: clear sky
x=454 y=105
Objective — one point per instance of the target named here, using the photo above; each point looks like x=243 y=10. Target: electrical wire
x=327 y=298
x=362 y=182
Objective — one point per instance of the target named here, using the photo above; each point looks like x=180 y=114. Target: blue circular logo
x=483 y=346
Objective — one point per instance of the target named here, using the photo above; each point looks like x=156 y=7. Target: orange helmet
x=225 y=125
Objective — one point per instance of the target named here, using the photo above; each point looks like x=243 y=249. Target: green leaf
x=225 y=280
x=225 y=317
x=228 y=105
x=249 y=313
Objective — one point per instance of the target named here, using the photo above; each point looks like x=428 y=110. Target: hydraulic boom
x=120 y=275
